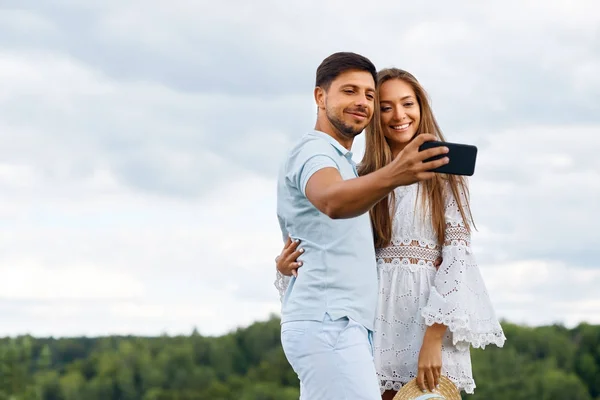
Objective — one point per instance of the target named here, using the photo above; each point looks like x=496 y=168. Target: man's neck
x=326 y=127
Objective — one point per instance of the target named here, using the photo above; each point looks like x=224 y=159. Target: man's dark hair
x=338 y=63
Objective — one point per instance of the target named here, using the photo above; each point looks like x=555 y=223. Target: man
x=328 y=310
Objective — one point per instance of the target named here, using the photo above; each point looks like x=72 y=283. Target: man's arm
x=339 y=198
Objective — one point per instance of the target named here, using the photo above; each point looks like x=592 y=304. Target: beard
x=347 y=130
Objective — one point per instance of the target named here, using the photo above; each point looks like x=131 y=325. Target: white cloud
x=539 y=292
x=23 y=22
x=139 y=145
x=27 y=281
x=160 y=311
x=544 y=185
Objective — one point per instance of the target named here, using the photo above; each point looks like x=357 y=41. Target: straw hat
x=446 y=391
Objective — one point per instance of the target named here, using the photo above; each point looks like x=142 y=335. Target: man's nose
x=362 y=101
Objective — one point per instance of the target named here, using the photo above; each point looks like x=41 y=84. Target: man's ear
x=320 y=95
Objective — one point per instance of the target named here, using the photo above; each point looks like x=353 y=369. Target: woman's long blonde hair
x=378 y=154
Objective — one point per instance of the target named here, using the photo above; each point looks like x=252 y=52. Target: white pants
x=333 y=359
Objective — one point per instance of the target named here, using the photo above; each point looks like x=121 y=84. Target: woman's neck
x=396 y=149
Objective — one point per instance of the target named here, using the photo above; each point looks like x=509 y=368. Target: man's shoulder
x=310 y=141
x=301 y=145
x=303 y=152
x=308 y=146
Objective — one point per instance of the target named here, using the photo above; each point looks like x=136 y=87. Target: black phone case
x=462 y=158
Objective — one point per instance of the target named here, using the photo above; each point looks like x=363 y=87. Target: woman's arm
x=287 y=261
x=430 y=357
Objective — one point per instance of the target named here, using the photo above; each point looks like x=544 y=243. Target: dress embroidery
x=414 y=294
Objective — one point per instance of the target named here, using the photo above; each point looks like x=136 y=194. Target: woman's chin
x=399 y=139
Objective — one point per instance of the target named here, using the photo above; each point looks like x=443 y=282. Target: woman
x=433 y=304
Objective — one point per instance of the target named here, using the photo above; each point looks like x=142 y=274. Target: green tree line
x=542 y=363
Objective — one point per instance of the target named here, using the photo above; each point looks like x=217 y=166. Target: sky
x=140 y=142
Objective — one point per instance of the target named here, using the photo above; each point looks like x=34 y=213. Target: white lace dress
x=413 y=294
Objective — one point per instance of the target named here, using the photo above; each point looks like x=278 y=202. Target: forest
x=542 y=363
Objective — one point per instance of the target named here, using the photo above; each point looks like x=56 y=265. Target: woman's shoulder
x=405 y=204
x=405 y=196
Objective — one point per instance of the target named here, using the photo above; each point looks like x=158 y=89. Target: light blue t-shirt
x=338 y=275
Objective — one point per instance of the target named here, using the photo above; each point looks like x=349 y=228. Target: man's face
x=350 y=101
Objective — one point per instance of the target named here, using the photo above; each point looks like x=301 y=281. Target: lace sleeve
x=281 y=283
x=459 y=298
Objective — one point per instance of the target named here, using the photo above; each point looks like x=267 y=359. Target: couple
x=377 y=277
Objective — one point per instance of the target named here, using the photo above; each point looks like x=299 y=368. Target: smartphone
x=462 y=158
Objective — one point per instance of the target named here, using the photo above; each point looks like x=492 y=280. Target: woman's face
x=400 y=113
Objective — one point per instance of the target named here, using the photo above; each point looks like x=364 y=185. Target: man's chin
x=351 y=134
x=349 y=129
x=356 y=130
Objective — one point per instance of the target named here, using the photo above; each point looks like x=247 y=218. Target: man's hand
x=408 y=166
x=339 y=198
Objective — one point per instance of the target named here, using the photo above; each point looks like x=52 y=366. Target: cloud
x=161 y=264
x=139 y=147
x=544 y=184
x=148 y=135
x=540 y=292
x=65 y=282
